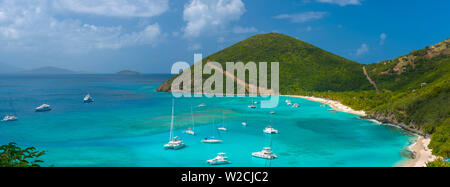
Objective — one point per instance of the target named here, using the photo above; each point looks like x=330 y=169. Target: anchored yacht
x=270 y=130
x=189 y=131
x=266 y=153
x=222 y=129
x=43 y=108
x=211 y=140
x=88 y=99
x=10 y=118
x=219 y=160
x=175 y=143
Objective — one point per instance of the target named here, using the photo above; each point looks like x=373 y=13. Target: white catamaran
x=175 y=143
x=266 y=153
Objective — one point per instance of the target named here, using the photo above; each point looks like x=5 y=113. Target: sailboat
x=269 y=129
x=191 y=130
x=175 y=143
x=223 y=128
x=252 y=106
x=212 y=139
x=10 y=117
x=266 y=153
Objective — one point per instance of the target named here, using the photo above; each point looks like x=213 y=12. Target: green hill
x=303 y=67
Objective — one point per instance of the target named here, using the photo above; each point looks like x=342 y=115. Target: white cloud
x=30 y=25
x=206 y=15
x=341 y=2
x=303 y=17
x=383 y=37
x=244 y=30
x=115 y=8
x=364 y=49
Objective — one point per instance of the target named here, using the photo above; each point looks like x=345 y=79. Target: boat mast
x=171 y=121
x=192 y=116
x=271 y=135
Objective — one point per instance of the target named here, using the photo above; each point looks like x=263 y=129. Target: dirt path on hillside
x=248 y=86
x=370 y=80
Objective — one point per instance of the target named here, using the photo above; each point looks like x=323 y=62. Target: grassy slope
x=425 y=109
x=303 y=67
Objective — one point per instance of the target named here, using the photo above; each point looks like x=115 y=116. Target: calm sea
x=129 y=123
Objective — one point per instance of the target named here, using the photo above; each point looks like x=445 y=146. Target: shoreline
x=422 y=154
x=336 y=105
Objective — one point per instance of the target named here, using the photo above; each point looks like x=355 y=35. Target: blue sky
x=150 y=35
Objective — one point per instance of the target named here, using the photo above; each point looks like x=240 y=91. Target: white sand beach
x=334 y=104
x=423 y=154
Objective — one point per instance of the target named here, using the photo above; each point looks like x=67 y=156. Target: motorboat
x=272 y=112
x=189 y=131
x=10 y=118
x=219 y=160
x=252 y=106
x=175 y=144
x=270 y=130
x=244 y=124
x=266 y=153
x=222 y=129
x=88 y=99
x=211 y=140
x=296 y=105
x=43 y=108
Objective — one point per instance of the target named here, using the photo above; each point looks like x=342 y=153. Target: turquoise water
x=129 y=124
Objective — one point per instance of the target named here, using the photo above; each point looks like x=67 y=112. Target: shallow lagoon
x=129 y=123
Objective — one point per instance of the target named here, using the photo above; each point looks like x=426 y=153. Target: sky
x=148 y=36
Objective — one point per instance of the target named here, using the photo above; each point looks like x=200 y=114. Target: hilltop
x=303 y=67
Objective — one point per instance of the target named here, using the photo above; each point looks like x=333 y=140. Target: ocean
x=129 y=122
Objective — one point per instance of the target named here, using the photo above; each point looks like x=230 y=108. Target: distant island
x=128 y=72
